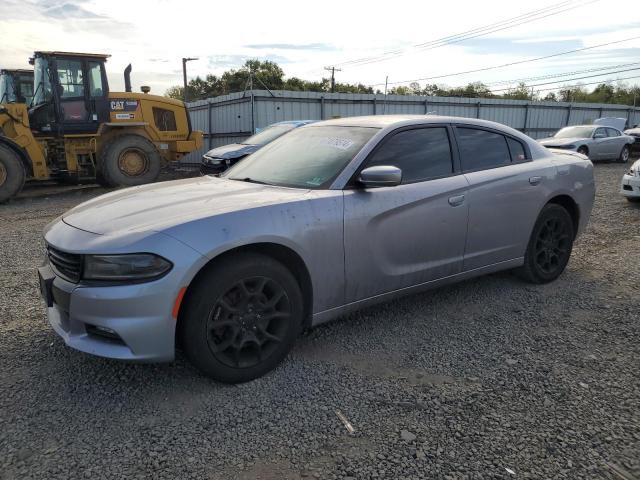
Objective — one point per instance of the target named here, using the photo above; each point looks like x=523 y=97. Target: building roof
x=73 y=54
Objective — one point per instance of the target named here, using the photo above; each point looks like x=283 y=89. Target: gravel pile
x=491 y=378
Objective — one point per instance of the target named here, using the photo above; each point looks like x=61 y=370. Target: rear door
x=397 y=237
x=615 y=143
x=506 y=193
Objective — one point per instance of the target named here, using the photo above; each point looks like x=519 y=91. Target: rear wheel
x=241 y=318
x=12 y=174
x=549 y=247
x=127 y=161
x=624 y=154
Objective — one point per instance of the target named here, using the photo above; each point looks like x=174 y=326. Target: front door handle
x=456 y=200
x=535 y=180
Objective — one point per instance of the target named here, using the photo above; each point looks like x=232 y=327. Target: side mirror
x=380 y=176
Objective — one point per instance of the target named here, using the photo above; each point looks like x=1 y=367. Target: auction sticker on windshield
x=336 y=142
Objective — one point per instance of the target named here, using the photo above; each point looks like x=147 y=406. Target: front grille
x=67 y=265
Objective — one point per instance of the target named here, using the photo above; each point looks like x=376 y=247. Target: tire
x=624 y=154
x=100 y=180
x=583 y=150
x=221 y=315
x=549 y=247
x=129 y=160
x=12 y=173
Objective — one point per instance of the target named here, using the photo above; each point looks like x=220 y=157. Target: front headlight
x=126 y=267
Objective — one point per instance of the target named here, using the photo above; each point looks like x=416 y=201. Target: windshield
x=575 y=132
x=7 y=89
x=306 y=158
x=269 y=134
x=42 y=85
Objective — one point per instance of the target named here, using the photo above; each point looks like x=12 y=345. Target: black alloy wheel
x=248 y=322
x=550 y=245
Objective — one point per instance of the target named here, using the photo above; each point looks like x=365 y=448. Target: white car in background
x=630 y=187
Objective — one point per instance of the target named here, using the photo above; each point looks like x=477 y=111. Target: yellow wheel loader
x=76 y=130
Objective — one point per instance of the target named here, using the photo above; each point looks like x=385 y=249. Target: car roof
x=385 y=121
x=297 y=123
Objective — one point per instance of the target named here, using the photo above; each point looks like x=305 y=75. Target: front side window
x=42 y=82
x=421 y=154
x=71 y=78
x=7 y=89
x=308 y=157
x=95 y=79
x=481 y=150
x=600 y=133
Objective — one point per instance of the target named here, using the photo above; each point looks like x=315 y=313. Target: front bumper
x=630 y=186
x=125 y=321
x=138 y=317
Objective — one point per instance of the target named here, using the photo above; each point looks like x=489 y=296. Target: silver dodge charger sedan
x=330 y=218
x=596 y=142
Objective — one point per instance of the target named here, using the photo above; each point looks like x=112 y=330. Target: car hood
x=560 y=141
x=632 y=131
x=231 y=151
x=160 y=206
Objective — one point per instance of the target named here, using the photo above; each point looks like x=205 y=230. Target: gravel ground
x=491 y=378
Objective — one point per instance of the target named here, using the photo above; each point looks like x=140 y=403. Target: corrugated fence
x=233 y=118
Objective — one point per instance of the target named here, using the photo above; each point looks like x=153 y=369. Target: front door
x=396 y=237
x=82 y=95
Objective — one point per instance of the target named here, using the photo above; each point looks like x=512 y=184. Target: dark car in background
x=635 y=133
x=221 y=158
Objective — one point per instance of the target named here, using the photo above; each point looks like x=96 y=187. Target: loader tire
x=12 y=174
x=129 y=160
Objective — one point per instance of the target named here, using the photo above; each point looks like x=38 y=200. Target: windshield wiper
x=251 y=180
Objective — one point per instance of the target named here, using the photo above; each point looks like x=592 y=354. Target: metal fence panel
x=232 y=118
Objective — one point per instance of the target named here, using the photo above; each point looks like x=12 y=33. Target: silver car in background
x=596 y=142
x=329 y=218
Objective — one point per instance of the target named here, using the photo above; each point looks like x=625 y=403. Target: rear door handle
x=456 y=200
x=535 y=180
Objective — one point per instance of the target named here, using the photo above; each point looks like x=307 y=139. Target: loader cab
x=16 y=86
x=70 y=93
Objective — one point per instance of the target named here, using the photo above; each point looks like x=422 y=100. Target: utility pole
x=333 y=71
x=386 y=81
x=184 y=77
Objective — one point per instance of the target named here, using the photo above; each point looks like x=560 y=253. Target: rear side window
x=481 y=150
x=518 y=153
x=612 y=132
x=421 y=154
x=164 y=119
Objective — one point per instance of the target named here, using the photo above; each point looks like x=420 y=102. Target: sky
x=304 y=37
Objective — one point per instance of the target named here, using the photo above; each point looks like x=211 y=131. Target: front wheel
x=624 y=154
x=241 y=318
x=549 y=246
x=127 y=161
x=12 y=174
x=583 y=150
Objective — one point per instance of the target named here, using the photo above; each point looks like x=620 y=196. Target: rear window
x=481 y=150
x=164 y=119
x=518 y=153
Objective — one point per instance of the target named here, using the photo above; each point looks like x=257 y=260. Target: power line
x=474 y=33
x=455 y=36
x=586 y=84
x=519 y=62
x=557 y=75
x=569 y=79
